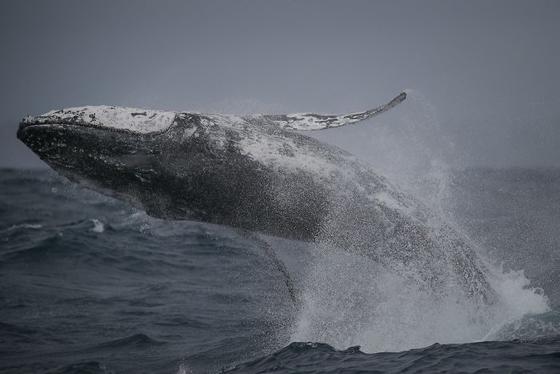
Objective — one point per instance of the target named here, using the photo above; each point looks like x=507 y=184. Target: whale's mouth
x=40 y=135
x=48 y=139
x=32 y=122
x=28 y=126
x=59 y=141
x=38 y=123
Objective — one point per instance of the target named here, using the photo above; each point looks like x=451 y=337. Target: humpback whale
x=258 y=173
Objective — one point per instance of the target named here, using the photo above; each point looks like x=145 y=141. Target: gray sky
x=489 y=70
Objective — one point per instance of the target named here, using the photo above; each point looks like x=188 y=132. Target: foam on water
x=30 y=226
x=98 y=226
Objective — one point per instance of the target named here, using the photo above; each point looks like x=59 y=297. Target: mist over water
x=351 y=300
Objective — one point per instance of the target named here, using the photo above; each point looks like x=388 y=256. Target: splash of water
x=352 y=301
x=349 y=300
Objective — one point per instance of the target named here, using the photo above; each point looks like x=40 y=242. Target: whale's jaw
x=49 y=141
x=71 y=146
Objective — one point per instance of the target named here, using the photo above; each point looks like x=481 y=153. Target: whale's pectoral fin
x=311 y=121
x=280 y=266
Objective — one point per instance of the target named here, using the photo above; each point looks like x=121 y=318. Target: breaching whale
x=257 y=173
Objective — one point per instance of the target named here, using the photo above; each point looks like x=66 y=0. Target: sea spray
x=351 y=300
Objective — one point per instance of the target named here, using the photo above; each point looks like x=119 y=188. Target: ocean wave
x=487 y=357
x=90 y=367
x=136 y=340
x=25 y=226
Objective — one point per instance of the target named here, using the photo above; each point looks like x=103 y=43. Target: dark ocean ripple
x=91 y=285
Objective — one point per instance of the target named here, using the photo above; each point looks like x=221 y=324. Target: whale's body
x=254 y=173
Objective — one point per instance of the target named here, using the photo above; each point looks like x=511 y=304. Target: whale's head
x=107 y=148
x=74 y=138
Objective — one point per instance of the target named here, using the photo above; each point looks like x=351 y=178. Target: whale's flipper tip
x=397 y=100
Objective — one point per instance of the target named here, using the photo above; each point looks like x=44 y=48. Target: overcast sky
x=488 y=70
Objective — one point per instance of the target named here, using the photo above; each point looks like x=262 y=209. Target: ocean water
x=89 y=284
